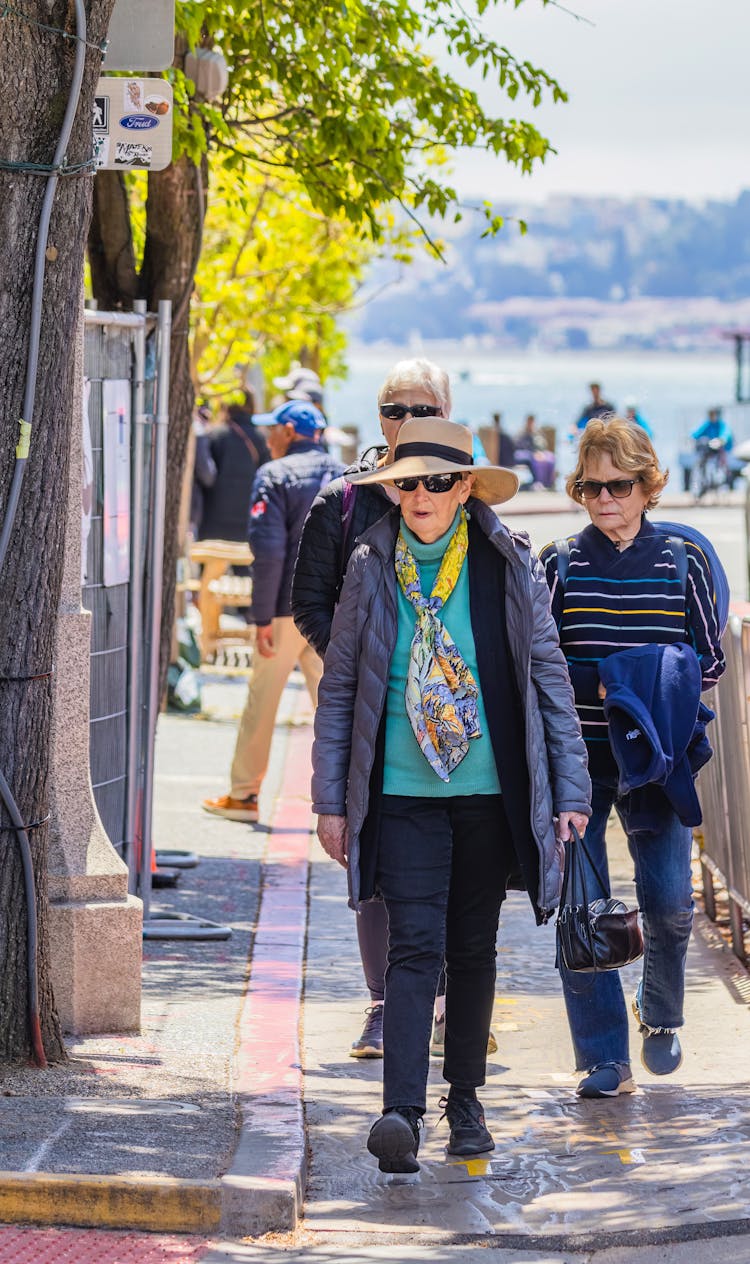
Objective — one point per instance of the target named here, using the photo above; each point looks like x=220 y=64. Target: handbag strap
x=576 y=848
x=237 y=428
x=574 y=872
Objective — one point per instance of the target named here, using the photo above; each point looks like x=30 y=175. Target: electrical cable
x=11 y=508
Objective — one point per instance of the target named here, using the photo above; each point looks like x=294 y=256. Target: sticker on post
x=101 y=151
x=134 y=94
x=101 y=114
x=132 y=154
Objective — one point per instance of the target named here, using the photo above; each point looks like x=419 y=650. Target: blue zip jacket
x=283 y=492
x=656 y=722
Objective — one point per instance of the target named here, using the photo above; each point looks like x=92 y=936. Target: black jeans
x=442 y=870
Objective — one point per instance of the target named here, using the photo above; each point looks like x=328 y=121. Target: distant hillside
x=664 y=272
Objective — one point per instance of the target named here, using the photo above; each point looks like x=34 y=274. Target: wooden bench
x=217 y=590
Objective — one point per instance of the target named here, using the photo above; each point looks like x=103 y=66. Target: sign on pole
x=133 y=124
x=141 y=35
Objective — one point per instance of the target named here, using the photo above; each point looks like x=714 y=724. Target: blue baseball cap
x=303 y=415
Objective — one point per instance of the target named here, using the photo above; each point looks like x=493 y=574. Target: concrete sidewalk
x=197 y=1124
x=665 y=1163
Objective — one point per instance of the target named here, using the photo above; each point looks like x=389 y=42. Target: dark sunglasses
x=397 y=412
x=590 y=489
x=435 y=483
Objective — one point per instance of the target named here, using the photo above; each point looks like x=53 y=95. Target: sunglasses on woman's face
x=435 y=483
x=397 y=412
x=590 y=489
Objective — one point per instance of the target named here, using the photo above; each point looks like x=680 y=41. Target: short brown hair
x=628 y=447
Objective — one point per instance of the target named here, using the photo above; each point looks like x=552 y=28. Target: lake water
x=673 y=390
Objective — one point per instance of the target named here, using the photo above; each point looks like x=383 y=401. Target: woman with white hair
x=339 y=515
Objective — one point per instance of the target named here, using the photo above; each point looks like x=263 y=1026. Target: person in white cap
x=301 y=383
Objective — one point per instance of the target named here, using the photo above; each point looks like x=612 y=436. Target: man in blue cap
x=283 y=492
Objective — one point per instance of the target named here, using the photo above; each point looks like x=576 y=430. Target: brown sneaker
x=233 y=809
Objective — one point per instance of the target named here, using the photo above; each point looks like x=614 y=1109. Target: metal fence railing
x=724 y=789
x=111 y=370
x=126 y=370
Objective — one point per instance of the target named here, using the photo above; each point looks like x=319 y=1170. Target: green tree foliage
x=351 y=96
x=273 y=278
x=351 y=99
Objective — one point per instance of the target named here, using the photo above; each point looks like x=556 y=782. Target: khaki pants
x=265 y=687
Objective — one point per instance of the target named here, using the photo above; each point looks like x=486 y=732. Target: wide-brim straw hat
x=432 y=445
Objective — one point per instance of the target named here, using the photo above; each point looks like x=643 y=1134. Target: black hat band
x=433 y=449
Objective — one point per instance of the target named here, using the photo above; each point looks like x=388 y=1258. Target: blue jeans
x=595 y=1002
x=442 y=870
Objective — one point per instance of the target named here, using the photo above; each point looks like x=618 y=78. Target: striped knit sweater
x=613 y=600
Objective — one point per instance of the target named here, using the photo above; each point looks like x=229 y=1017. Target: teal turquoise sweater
x=406 y=771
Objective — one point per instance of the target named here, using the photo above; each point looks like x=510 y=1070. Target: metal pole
x=747 y=533
x=165 y=925
x=135 y=609
x=153 y=597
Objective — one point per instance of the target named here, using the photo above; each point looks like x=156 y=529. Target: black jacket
x=282 y=495
x=237 y=457
x=325 y=548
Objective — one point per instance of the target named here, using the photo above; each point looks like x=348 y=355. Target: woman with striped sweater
x=626 y=587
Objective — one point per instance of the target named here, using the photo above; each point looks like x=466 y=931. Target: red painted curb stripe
x=268 y=1068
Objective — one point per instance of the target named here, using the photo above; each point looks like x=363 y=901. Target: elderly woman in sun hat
x=448 y=760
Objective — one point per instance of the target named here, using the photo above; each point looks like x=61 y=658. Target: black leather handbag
x=592 y=934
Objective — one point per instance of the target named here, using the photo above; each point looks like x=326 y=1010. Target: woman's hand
x=333 y=838
x=564 y=822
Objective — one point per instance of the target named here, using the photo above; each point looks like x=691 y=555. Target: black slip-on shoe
x=394 y=1139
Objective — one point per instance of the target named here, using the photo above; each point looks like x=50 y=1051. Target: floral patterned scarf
x=441 y=693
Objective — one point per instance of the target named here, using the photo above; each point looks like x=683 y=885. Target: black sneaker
x=394 y=1139
x=370 y=1043
x=469 y=1134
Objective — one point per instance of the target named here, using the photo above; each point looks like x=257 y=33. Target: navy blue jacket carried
x=657 y=724
x=283 y=492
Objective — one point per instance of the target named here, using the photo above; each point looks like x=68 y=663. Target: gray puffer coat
x=352 y=695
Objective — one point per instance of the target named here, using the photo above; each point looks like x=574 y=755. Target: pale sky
x=659 y=99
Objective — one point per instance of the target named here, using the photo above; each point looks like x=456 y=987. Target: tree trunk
x=175 y=211
x=114 y=280
x=174 y=229
x=34 y=90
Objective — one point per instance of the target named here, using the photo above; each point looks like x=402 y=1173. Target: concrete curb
x=158 y=1203
x=264 y=1188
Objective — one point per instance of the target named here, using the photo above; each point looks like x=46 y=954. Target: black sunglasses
x=590 y=489
x=435 y=483
x=397 y=412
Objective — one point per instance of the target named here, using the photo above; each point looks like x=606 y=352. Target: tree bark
x=34 y=90
x=114 y=279
x=175 y=211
